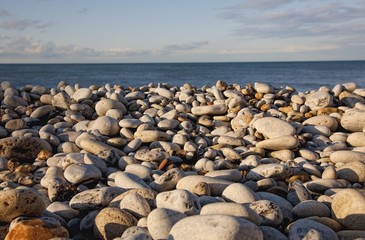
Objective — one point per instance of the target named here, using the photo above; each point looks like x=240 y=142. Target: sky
x=134 y=31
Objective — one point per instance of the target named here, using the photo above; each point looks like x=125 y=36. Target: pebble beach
x=225 y=162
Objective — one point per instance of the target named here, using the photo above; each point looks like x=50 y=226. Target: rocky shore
x=170 y=162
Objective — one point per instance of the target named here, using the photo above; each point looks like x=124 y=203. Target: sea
x=302 y=76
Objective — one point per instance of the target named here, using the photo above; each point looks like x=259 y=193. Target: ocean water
x=300 y=75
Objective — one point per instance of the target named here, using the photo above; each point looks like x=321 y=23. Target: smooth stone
x=322 y=120
x=148 y=194
x=37 y=229
x=329 y=172
x=82 y=94
x=217 y=109
x=353 y=120
x=269 y=212
x=309 y=229
x=308 y=154
x=232 y=175
x=20 y=202
x=63 y=210
x=179 y=200
x=14 y=101
x=130 y=123
x=132 y=146
x=271 y=233
x=136 y=205
x=216 y=186
x=42 y=111
x=164 y=92
x=105 y=104
x=350 y=99
x=348 y=208
x=318 y=100
x=351 y=234
x=61 y=101
x=14 y=125
x=78 y=173
x=106 y=125
x=321 y=185
x=111 y=223
x=208 y=227
x=23 y=148
x=95 y=147
x=309 y=208
x=346 y=156
x=271 y=170
x=232 y=209
x=263 y=87
x=139 y=170
x=356 y=139
x=271 y=127
x=239 y=193
x=129 y=181
x=297 y=193
x=168 y=180
x=148 y=136
x=283 y=155
x=279 y=143
x=94 y=198
x=161 y=220
x=232 y=141
x=135 y=233
x=352 y=171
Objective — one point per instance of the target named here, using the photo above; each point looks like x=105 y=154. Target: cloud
x=28 y=48
x=4 y=12
x=170 y=49
x=22 y=24
x=292 y=18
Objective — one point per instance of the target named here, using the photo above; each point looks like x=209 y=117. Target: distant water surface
x=300 y=75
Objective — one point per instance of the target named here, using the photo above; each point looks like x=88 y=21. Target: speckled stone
x=23 y=148
x=111 y=223
x=20 y=202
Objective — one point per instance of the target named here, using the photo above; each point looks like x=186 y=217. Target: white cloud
x=22 y=24
x=278 y=19
x=29 y=48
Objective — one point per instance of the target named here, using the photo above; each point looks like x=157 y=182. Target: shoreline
x=161 y=161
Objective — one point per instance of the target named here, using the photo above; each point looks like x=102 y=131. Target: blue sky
x=72 y=31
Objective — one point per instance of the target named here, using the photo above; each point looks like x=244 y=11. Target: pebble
x=346 y=156
x=232 y=209
x=20 y=202
x=42 y=229
x=322 y=120
x=309 y=229
x=216 y=186
x=79 y=173
x=136 y=205
x=161 y=220
x=318 y=100
x=92 y=199
x=353 y=120
x=279 y=143
x=272 y=233
x=239 y=193
x=271 y=127
x=271 y=170
x=269 y=212
x=308 y=208
x=111 y=223
x=353 y=172
x=348 y=208
x=179 y=200
x=214 y=227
